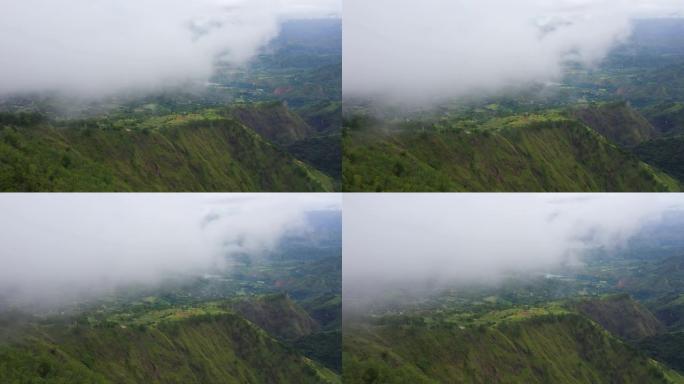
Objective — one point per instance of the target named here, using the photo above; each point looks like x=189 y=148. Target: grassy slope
x=205 y=348
x=666 y=348
x=174 y=153
x=547 y=348
x=278 y=315
x=523 y=153
x=622 y=316
x=273 y=121
x=316 y=141
x=668 y=118
x=616 y=121
x=666 y=153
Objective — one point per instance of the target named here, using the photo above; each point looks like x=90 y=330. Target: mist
x=54 y=246
x=417 y=52
x=407 y=242
x=99 y=48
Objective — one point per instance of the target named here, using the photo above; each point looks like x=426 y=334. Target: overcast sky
x=95 y=47
x=420 y=51
x=404 y=239
x=88 y=241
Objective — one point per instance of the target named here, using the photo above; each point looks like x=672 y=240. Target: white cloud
x=404 y=50
x=55 y=241
x=405 y=239
x=104 y=46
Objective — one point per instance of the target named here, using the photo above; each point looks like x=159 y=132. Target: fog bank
x=405 y=240
x=424 y=51
x=53 y=243
x=94 y=48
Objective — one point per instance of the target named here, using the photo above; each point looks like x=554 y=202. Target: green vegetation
x=621 y=316
x=273 y=125
x=532 y=348
x=666 y=348
x=617 y=318
x=184 y=347
x=207 y=151
x=269 y=319
x=617 y=122
x=548 y=152
x=278 y=315
x=618 y=130
x=666 y=153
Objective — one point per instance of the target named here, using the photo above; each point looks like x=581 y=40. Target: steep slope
x=666 y=153
x=666 y=348
x=273 y=121
x=551 y=348
x=285 y=320
x=616 y=121
x=621 y=316
x=210 y=348
x=521 y=153
x=324 y=152
x=194 y=152
x=668 y=118
x=670 y=310
x=278 y=315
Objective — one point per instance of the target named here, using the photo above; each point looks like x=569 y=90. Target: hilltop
x=513 y=346
x=198 y=344
x=211 y=150
x=553 y=151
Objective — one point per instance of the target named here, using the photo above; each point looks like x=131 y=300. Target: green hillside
x=621 y=316
x=278 y=315
x=174 y=346
x=207 y=151
x=273 y=121
x=535 y=152
x=666 y=153
x=516 y=346
x=617 y=122
x=668 y=118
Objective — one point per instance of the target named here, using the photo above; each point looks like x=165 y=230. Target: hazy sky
x=96 y=47
x=409 y=239
x=418 y=51
x=55 y=241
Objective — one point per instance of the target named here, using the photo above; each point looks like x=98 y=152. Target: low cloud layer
x=422 y=51
x=53 y=243
x=99 y=47
x=404 y=240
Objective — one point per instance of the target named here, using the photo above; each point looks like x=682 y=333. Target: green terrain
x=275 y=319
x=612 y=128
x=616 y=319
x=273 y=125
x=533 y=345
x=535 y=152
x=209 y=151
x=179 y=346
